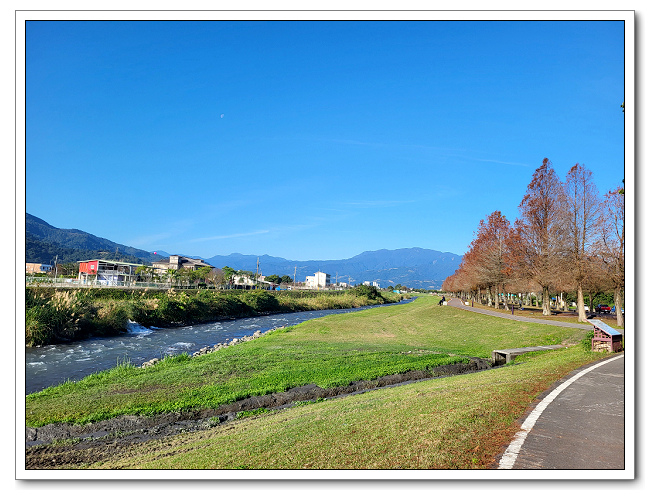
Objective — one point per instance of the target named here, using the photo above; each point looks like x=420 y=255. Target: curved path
x=579 y=423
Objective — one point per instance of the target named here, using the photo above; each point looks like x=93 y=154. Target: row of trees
x=568 y=238
x=180 y=276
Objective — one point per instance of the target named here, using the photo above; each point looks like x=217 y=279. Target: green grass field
x=460 y=422
x=331 y=351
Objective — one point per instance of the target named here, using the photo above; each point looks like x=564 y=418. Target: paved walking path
x=456 y=302
x=581 y=426
x=579 y=423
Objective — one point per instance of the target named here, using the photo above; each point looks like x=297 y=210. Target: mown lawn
x=460 y=422
x=330 y=351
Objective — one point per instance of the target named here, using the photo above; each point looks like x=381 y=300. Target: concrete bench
x=503 y=356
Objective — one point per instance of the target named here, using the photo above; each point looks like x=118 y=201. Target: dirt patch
x=66 y=445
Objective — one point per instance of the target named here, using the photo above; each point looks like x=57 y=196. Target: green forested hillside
x=43 y=252
x=43 y=242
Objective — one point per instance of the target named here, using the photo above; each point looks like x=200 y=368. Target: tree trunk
x=546 y=302
x=580 y=304
x=496 y=296
x=489 y=296
x=618 y=303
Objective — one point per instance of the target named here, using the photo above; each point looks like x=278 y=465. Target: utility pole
x=294 y=275
x=55 y=268
x=257 y=272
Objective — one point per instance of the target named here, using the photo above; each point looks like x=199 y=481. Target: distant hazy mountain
x=44 y=241
x=413 y=267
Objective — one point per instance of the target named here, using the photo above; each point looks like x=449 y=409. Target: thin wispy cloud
x=377 y=203
x=354 y=142
x=230 y=236
x=500 y=162
x=441 y=149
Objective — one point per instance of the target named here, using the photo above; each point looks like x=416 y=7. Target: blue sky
x=311 y=140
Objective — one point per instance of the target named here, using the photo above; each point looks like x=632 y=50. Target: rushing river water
x=54 y=364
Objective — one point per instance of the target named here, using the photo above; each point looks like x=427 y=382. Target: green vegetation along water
x=53 y=315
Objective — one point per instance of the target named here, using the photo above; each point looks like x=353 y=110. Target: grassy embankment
x=460 y=422
x=447 y=423
x=330 y=352
x=61 y=315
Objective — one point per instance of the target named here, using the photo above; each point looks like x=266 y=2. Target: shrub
x=112 y=317
x=261 y=301
x=369 y=292
x=586 y=341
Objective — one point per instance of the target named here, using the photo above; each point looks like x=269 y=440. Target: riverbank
x=331 y=351
x=453 y=422
x=134 y=429
x=54 y=316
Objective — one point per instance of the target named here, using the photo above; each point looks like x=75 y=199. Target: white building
x=318 y=280
x=242 y=279
x=372 y=283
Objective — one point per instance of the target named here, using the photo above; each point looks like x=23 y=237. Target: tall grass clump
x=59 y=316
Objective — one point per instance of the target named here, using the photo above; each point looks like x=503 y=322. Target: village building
x=318 y=280
x=242 y=280
x=177 y=262
x=107 y=272
x=32 y=268
x=246 y=280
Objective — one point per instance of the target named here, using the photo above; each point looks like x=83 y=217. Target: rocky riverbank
x=217 y=347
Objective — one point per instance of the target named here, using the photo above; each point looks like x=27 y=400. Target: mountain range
x=412 y=267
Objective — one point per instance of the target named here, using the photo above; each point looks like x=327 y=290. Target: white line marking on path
x=512 y=452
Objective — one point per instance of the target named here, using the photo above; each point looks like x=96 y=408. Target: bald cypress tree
x=539 y=243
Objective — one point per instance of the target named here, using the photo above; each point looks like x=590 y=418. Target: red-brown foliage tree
x=488 y=253
x=540 y=242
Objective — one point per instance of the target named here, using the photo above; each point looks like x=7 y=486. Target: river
x=53 y=364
